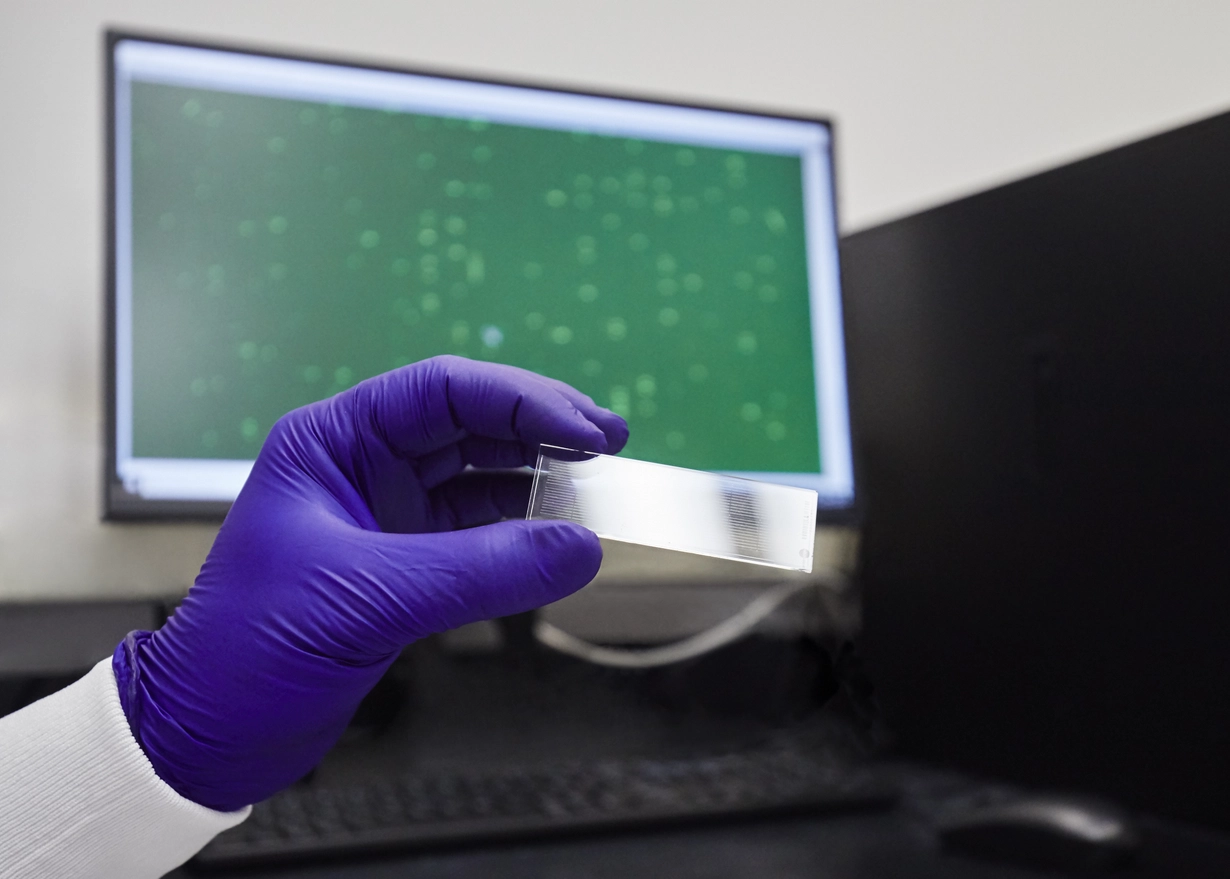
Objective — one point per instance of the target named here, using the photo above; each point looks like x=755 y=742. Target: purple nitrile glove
x=339 y=551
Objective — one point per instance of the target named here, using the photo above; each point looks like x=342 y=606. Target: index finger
x=428 y=405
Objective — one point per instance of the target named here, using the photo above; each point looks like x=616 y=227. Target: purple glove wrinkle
x=342 y=548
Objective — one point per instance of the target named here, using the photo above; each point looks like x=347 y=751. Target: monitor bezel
x=120 y=504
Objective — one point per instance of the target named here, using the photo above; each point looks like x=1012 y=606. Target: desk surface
x=873 y=846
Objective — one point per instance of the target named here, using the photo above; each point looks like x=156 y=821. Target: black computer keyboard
x=417 y=811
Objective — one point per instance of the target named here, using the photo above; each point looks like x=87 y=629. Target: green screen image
x=285 y=250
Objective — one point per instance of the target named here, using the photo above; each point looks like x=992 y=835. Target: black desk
x=891 y=845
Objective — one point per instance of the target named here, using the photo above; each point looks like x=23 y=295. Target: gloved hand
x=339 y=551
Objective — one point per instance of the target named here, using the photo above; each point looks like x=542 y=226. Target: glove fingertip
x=568 y=555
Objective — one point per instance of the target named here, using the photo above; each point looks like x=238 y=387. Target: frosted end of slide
x=675 y=508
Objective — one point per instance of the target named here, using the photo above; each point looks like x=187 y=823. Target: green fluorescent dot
x=430 y=303
x=609 y=185
x=616 y=329
x=278 y=271
x=685 y=157
x=534 y=321
x=343 y=376
x=369 y=239
x=620 y=402
x=492 y=336
x=586 y=242
x=455 y=225
x=454 y=189
x=666 y=264
x=662 y=184
x=249 y=428
x=583 y=182
x=557 y=198
x=635 y=179
x=457 y=252
x=646 y=386
x=675 y=441
x=639 y=241
x=475 y=268
x=663 y=206
x=277 y=225
x=191 y=109
x=611 y=222
x=532 y=271
x=668 y=317
x=478 y=124
x=667 y=286
x=460 y=332
x=776 y=222
x=698 y=372
x=735 y=163
x=482 y=154
x=248 y=350
x=746 y=342
x=425 y=161
x=776 y=431
x=276 y=145
x=561 y=335
x=749 y=412
x=767 y=293
x=693 y=283
x=312 y=374
x=428 y=237
x=591 y=368
x=587 y=293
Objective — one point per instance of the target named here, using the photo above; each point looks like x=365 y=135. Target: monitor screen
x=283 y=228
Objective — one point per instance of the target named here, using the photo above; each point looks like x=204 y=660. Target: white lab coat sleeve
x=79 y=798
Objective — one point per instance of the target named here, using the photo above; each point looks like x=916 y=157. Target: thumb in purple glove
x=339 y=551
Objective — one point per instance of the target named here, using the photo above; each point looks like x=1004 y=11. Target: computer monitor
x=1040 y=379
x=282 y=228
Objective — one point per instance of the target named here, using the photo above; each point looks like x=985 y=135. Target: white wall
x=932 y=99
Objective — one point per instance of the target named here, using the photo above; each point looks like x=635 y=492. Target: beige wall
x=933 y=99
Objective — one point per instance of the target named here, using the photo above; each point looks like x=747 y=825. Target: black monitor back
x=1041 y=380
